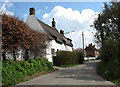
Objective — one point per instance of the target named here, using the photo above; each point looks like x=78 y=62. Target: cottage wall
x=68 y=48
x=54 y=46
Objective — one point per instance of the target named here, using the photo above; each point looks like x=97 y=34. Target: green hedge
x=109 y=71
x=67 y=57
x=12 y=71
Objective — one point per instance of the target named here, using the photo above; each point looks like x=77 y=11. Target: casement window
x=52 y=51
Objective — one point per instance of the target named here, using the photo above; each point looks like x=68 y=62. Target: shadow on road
x=86 y=71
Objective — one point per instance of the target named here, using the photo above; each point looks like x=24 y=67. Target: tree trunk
x=26 y=55
x=4 y=55
x=14 y=56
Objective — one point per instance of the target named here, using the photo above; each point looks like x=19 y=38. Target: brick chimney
x=62 y=32
x=32 y=11
x=53 y=23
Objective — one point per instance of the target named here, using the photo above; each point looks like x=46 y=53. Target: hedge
x=109 y=71
x=67 y=57
x=13 y=71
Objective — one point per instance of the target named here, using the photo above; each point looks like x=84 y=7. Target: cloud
x=69 y=20
x=38 y=12
x=10 y=5
x=4 y=6
x=25 y=16
x=6 y=1
x=46 y=7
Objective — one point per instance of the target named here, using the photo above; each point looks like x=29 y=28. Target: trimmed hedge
x=13 y=71
x=67 y=57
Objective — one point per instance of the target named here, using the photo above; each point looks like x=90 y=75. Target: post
x=119 y=39
x=83 y=42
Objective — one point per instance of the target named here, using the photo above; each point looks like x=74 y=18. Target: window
x=52 y=51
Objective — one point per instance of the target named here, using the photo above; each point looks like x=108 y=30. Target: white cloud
x=10 y=5
x=46 y=7
x=4 y=6
x=9 y=13
x=25 y=16
x=38 y=12
x=69 y=20
x=6 y=1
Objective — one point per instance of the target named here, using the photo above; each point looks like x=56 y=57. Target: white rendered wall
x=56 y=46
x=19 y=55
x=68 y=48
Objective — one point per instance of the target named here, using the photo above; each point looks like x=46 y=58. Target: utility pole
x=83 y=42
x=119 y=38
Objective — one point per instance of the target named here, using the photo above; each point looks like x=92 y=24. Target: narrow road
x=84 y=74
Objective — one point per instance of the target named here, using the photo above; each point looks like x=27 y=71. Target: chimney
x=32 y=11
x=62 y=32
x=53 y=23
x=90 y=45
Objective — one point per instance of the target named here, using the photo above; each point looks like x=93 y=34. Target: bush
x=67 y=57
x=80 y=58
x=13 y=71
x=109 y=70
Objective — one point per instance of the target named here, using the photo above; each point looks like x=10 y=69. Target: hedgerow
x=13 y=71
x=67 y=57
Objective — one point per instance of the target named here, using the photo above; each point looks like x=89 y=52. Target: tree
x=78 y=50
x=107 y=24
x=40 y=44
x=108 y=33
x=16 y=35
x=0 y=35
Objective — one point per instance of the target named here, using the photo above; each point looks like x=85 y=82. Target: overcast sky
x=69 y=16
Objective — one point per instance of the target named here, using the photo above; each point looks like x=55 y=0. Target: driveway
x=84 y=74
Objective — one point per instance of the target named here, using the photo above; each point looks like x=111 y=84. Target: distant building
x=91 y=51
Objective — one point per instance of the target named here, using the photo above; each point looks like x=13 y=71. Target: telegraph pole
x=119 y=38
x=83 y=41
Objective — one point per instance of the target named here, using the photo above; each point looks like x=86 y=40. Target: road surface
x=84 y=74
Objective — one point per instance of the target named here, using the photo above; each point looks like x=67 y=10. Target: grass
x=70 y=65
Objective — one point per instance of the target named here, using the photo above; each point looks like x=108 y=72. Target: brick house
x=91 y=51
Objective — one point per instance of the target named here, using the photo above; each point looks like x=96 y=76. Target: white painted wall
x=57 y=47
x=68 y=48
x=19 y=55
x=52 y=45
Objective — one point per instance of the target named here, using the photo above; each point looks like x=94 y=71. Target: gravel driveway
x=84 y=74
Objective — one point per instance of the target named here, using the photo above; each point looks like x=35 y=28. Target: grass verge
x=69 y=65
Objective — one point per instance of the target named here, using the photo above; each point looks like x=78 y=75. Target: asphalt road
x=84 y=74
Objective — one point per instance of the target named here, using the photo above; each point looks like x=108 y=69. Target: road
x=84 y=74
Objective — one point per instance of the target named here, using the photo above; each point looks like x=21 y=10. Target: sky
x=69 y=16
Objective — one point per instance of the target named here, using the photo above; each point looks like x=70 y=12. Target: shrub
x=109 y=70
x=80 y=57
x=13 y=71
x=67 y=57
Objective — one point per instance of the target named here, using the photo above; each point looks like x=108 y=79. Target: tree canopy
x=16 y=35
x=108 y=35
